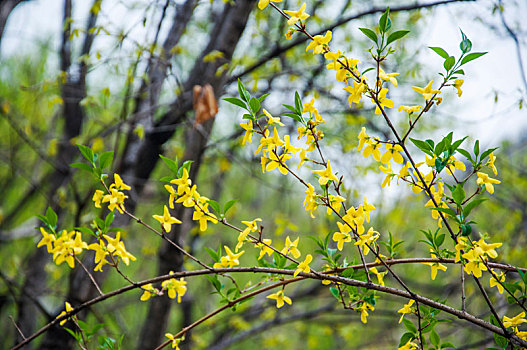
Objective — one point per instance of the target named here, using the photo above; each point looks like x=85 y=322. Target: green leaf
x=235 y=101
x=292 y=109
x=465 y=153
x=186 y=165
x=440 y=164
x=254 y=104
x=109 y=219
x=87 y=153
x=229 y=205
x=458 y=194
x=466 y=230
x=396 y=36
x=52 y=218
x=487 y=152
x=215 y=282
x=215 y=205
x=456 y=145
x=171 y=164
x=335 y=292
x=459 y=71
x=476 y=148
x=106 y=159
x=449 y=63
x=465 y=45
x=263 y=97
x=446 y=211
x=405 y=338
x=242 y=91
x=439 y=240
x=409 y=326
x=468 y=208
x=434 y=338
x=423 y=146
x=383 y=21
x=298 y=103
x=440 y=52
x=82 y=166
x=367 y=70
x=294 y=116
x=370 y=34
x=471 y=57
x=213 y=254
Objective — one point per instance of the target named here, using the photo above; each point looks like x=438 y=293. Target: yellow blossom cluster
x=64 y=247
x=476 y=254
x=113 y=247
x=229 y=260
x=115 y=198
x=187 y=195
x=173 y=287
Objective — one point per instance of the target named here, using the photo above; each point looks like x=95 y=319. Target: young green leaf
x=396 y=36
x=449 y=63
x=235 y=101
x=471 y=57
x=383 y=21
x=87 y=153
x=171 y=164
x=440 y=52
x=370 y=34
x=254 y=104
x=242 y=91
x=106 y=159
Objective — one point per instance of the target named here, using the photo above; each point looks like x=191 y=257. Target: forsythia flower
x=248 y=127
x=310 y=200
x=434 y=267
x=390 y=77
x=68 y=309
x=175 y=287
x=427 y=91
x=372 y=148
x=280 y=298
x=263 y=3
x=304 y=266
x=490 y=163
x=409 y=346
x=380 y=275
x=265 y=248
x=407 y=309
x=149 y=290
x=342 y=236
x=496 y=282
x=97 y=197
x=297 y=15
x=291 y=247
x=325 y=175
x=363 y=138
x=252 y=226
x=410 y=109
x=484 y=179
x=47 y=240
x=117 y=248
x=319 y=42
x=366 y=208
x=166 y=220
x=175 y=341
x=367 y=239
x=514 y=321
x=383 y=101
x=230 y=260
x=457 y=85
x=392 y=152
x=364 y=311
x=355 y=92
x=272 y=120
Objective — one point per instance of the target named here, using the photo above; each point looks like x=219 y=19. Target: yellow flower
x=355 y=92
x=457 y=85
x=390 y=77
x=291 y=247
x=47 y=239
x=97 y=197
x=297 y=15
x=263 y=4
x=304 y=266
x=407 y=309
x=364 y=311
x=342 y=236
x=496 y=282
x=175 y=287
x=514 y=321
x=392 y=152
x=366 y=240
x=272 y=120
x=325 y=175
x=319 y=43
x=380 y=275
x=490 y=163
x=410 y=109
x=409 y=346
x=264 y=248
x=278 y=162
x=389 y=174
x=68 y=310
x=434 y=267
x=248 y=127
x=280 y=298
x=383 y=101
x=372 y=148
x=484 y=179
x=118 y=183
x=366 y=208
x=310 y=201
x=427 y=91
x=175 y=341
x=166 y=220
x=149 y=290
x=363 y=138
